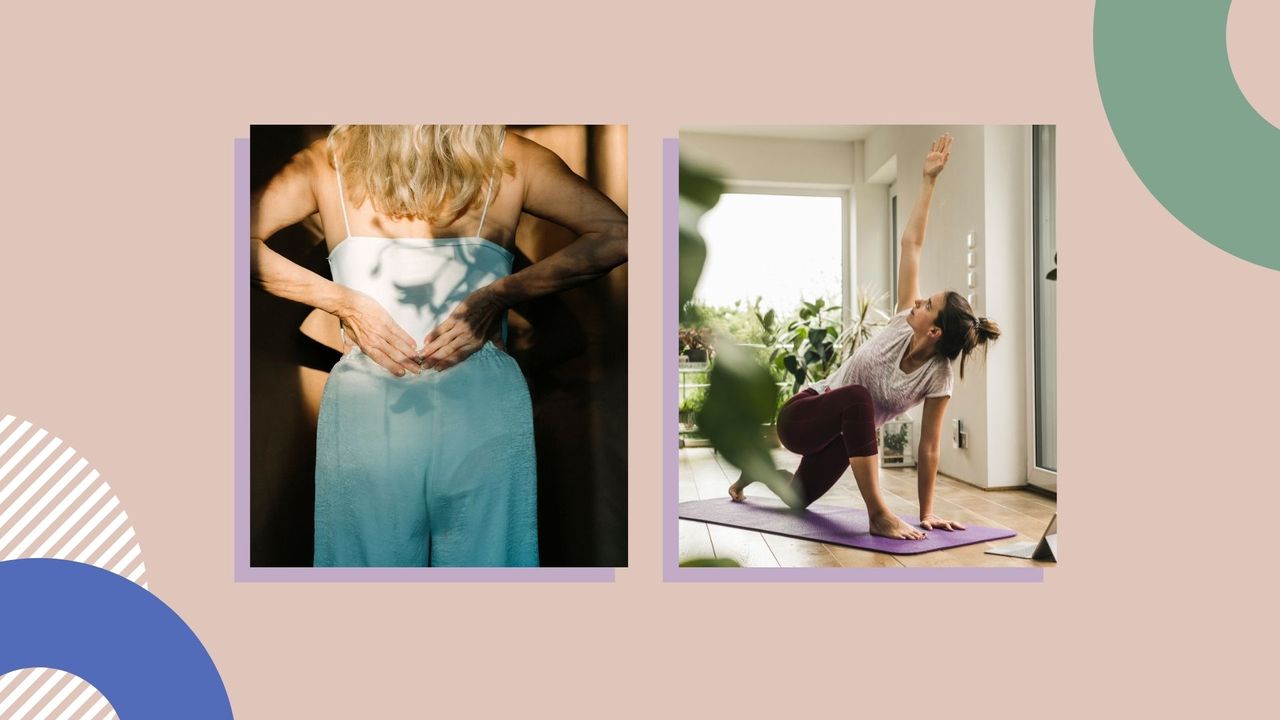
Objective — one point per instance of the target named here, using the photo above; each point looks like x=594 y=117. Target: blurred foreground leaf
x=742 y=396
x=710 y=562
x=741 y=401
x=693 y=255
x=699 y=192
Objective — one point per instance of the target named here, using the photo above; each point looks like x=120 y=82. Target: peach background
x=117 y=189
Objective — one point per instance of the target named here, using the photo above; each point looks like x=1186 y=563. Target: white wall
x=983 y=191
x=1008 y=178
x=782 y=161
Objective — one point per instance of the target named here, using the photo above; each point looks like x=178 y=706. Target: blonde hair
x=419 y=172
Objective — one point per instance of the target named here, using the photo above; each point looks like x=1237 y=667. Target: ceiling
x=805 y=132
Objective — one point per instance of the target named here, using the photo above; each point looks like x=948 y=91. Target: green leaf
x=699 y=186
x=817 y=336
x=693 y=255
x=710 y=562
x=742 y=397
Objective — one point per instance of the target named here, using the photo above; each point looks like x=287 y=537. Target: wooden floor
x=705 y=475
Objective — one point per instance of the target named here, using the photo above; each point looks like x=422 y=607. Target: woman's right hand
x=938 y=155
x=368 y=325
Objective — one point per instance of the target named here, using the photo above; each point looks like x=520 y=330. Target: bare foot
x=780 y=485
x=735 y=493
x=891 y=526
x=735 y=490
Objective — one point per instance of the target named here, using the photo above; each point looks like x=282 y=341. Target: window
x=780 y=247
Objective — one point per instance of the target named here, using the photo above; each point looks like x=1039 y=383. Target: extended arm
x=552 y=192
x=913 y=234
x=927 y=463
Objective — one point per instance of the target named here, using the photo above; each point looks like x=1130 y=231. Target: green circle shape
x=1185 y=126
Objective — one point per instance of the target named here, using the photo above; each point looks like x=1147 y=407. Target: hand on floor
x=933 y=522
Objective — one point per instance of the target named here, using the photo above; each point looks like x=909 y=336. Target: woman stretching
x=833 y=422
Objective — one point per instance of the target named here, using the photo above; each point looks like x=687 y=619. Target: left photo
x=438 y=346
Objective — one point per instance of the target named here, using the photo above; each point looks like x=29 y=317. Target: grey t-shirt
x=875 y=367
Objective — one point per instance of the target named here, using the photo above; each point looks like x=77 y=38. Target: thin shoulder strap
x=342 y=198
x=489 y=194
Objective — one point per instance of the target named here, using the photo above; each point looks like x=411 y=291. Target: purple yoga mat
x=828 y=524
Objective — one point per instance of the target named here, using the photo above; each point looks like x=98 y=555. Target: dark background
x=572 y=348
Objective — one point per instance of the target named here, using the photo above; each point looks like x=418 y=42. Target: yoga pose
x=833 y=422
x=424 y=449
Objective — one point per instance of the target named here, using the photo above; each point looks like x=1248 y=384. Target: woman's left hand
x=933 y=522
x=463 y=332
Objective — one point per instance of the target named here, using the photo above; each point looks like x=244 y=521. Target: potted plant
x=806 y=349
x=897 y=443
x=695 y=344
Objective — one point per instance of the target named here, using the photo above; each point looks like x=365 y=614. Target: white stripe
x=85 y=507
x=53 y=515
x=133 y=553
x=43 y=501
x=14 y=437
x=87 y=528
x=37 y=695
x=102 y=537
x=6 y=421
x=66 y=690
x=17 y=457
x=44 y=477
x=107 y=556
x=96 y=708
x=137 y=573
x=22 y=687
x=8 y=678
x=75 y=704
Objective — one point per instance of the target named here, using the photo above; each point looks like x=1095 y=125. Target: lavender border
x=242 y=571
x=671 y=570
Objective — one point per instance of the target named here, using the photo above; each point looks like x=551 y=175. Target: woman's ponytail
x=962 y=331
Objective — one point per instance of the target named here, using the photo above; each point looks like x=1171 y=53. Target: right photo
x=867 y=370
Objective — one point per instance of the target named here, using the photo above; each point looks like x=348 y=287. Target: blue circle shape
x=111 y=633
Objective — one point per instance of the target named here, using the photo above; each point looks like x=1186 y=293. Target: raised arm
x=913 y=234
x=552 y=192
x=287 y=199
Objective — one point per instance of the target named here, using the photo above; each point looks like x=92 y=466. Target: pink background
x=117 y=283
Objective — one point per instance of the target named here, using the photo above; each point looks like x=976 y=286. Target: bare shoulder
x=530 y=157
x=518 y=147
x=305 y=168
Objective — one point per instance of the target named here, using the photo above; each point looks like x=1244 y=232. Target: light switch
x=973 y=279
x=970 y=241
x=972 y=258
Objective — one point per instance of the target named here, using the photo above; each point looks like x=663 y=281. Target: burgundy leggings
x=827 y=429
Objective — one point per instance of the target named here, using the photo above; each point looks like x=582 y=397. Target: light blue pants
x=434 y=469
